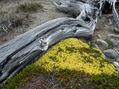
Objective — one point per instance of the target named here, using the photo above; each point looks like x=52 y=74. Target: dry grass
x=29 y=7
x=5 y=1
x=19 y=17
x=13 y=21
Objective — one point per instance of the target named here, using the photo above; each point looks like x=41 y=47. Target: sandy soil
x=105 y=26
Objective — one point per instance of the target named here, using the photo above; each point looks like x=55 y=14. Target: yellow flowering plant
x=72 y=59
x=73 y=54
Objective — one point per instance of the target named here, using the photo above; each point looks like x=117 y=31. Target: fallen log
x=115 y=14
x=17 y=53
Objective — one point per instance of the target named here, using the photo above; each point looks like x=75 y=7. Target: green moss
x=110 y=43
x=99 y=43
x=18 y=22
x=71 y=60
x=29 y=7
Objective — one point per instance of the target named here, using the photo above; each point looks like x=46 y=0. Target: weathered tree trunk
x=17 y=53
x=115 y=14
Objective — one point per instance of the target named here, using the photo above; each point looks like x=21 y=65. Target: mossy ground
x=111 y=44
x=71 y=59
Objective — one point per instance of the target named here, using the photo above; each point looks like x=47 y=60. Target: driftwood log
x=17 y=53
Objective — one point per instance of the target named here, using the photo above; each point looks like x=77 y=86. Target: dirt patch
x=42 y=82
x=105 y=26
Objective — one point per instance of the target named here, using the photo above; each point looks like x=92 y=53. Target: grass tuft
x=29 y=7
x=4 y=1
x=13 y=21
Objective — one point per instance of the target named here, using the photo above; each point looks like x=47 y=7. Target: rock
x=114 y=38
x=107 y=26
x=117 y=65
x=113 y=35
x=110 y=22
x=118 y=59
x=96 y=46
x=116 y=30
x=99 y=36
x=102 y=43
x=114 y=41
x=111 y=53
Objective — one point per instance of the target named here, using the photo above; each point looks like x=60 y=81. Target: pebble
x=114 y=41
x=104 y=43
x=116 y=30
x=117 y=65
x=111 y=53
x=110 y=22
x=99 y=36
x=107 y=26
x=113 y=35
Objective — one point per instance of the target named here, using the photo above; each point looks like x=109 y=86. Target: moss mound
x=72 y=59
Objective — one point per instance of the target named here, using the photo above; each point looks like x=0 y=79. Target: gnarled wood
x=18 y=52
x=115 y=14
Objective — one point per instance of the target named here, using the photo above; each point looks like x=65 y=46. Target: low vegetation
x=71 y=59
x=29 y=7
x=12 y=21
x=110 y=43
x=3 y=0
x=99 y=43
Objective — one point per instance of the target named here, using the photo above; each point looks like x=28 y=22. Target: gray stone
x=110 y=21
x=107 y=26
x=104 y=44
x=99 y=36
x=114 y=41
x=96 y=46
x=117 y=59
x=111 y=53
x=117 y=65
x=116 y=30
x=113 y=35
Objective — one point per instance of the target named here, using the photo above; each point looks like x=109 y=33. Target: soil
x=105 y=26
x=42 y=82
